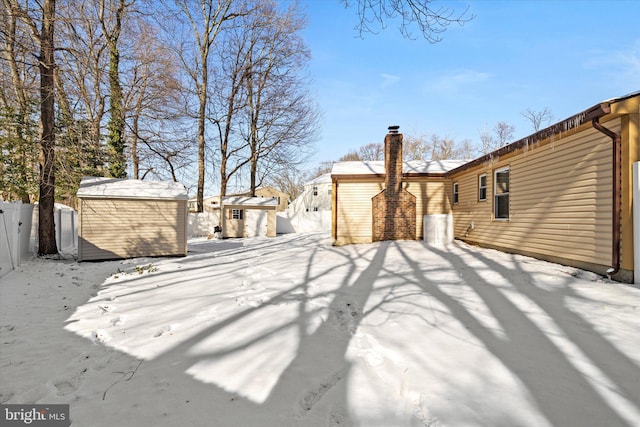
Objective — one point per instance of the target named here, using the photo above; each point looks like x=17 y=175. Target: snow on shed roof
x=114 y=188
x=250 y=201
x=412 y=166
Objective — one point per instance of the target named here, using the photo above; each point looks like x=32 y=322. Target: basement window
x=482 y=187
x=455 y=193
x=501 y=194
x=236 y=213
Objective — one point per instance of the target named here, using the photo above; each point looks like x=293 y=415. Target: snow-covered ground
x=291 y=331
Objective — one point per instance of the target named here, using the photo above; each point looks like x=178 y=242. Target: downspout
x=617 y=173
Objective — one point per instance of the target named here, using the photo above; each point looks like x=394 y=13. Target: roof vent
x=394 y=129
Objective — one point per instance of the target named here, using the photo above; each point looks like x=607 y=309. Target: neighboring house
x=270 y=192
x=316 y=196
x=563 y=194
x=248 y=216
x=126 y=218
x=311 y=210
x=212 y=203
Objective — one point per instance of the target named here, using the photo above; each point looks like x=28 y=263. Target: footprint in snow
x=167 y=330
x=315 y=394
x=66 y=386
x=345 y=314
x=99 y=336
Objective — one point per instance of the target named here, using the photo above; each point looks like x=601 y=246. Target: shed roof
x=250 y=201
x=410 y=167
x=114 y=188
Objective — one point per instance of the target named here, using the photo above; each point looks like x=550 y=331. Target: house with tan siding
x=563 y=194
x=212 y=203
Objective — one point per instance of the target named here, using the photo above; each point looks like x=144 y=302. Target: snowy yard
x=291 y=331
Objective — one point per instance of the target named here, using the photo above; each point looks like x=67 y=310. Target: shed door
x=256 y=222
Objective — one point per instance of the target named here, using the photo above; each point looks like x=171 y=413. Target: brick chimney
x=394 y=208
x=393 y=161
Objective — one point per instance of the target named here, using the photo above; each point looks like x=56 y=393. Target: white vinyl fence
x=15 y=233
x=636 y=223
x=202 y=224
x=19 y=233
x=303 y=222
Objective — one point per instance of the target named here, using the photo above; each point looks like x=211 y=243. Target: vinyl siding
x=433 y=196
x=235 y=228
x=560 y=200
x=354 y=217
x=120 y=228
x=354 y=212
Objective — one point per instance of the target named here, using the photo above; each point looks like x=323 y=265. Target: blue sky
x=562 y=55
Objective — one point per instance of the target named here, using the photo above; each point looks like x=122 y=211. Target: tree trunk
x=117 y=160
x=46 y=225
x=201 y=127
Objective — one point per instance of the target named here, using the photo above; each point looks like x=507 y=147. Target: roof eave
x=565 y=125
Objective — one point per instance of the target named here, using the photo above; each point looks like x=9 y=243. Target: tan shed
x=125 y=218
x=248 y=216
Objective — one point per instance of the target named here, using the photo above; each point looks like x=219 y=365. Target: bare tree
x=417 y=147
x=538 y=118
x=372 y=151
x=422 y=147
x=18 y=96
x=373 y=16
x=206 y=18
x=504 y=133
x=488 y=141
x=501 y=136
x=290 y=181
x=282 y=118
x=82 y=63
x=153 y=107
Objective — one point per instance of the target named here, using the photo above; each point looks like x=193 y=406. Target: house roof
x=595 y=112
x=325 y=178
x=113 y=188
x=249 y=201
x=450 y=167
x=410 y=167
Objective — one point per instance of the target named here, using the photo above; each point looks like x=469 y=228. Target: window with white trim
x=236 y=213
x=482 y=187
x=501 y=193
x=455 y=193
x=315 y=191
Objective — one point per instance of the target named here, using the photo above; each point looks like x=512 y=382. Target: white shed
x=126 y=218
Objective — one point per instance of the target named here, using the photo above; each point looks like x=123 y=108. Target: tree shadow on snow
x=560 y=391
x=313 y=381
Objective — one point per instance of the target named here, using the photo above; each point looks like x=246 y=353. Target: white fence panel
x=202 y=224
x=66 y=229
x=66 y=223
x=636 y=223
x=303 y=222
x=9 y=236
